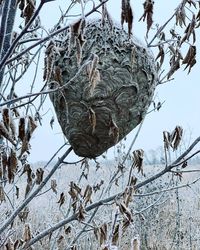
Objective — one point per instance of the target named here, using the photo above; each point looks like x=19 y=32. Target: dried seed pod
x=118 y=100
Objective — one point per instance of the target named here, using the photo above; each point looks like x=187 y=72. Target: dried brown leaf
x=61 y=199
x=13 y=128
x=161 y=55
x=52 y=122
x=115 y=236
x=184 y=165
x=114 y=130
x=32 y=125
x=190 y=58
x=190 y=31
x=138 y=157
x=87 y=195
x=25 y=147
x=23 y=215
x=166 y=139
x=9 y=244
x=92 y=118
x=68 y=230
x=27 y=169
x=54 y=186
x=135 y=244
x=39 y=176
x=28 y=188
x=12 y=165
x=21 y=129
x=81 y=213
x=57 y=74
x=148 y=14
x=176 y=137
x=17 y=191
x=181 y=17
x=174 y=67
x=5 y=133
x=103 y=234
x=125 y=211
x=2 y=194
x=127 y=15
x=128 y=195
x=27 y=233
x=28 y=11
x=6 y=118
x=79 y=52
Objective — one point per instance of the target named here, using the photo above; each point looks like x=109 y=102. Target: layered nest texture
x=108 y=80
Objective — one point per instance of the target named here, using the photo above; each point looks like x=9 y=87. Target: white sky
x=181 y=96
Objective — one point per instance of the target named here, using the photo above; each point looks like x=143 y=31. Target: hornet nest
x=106 y=82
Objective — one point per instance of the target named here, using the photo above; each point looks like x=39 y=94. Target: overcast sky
x=181 y=96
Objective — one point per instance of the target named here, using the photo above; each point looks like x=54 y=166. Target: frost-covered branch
x=31 y=196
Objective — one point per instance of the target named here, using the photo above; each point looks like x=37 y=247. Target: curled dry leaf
x=39 y=176
x=115 y=236
x=176 y=137
x=9 y=244
x=23 y=215
x=98 y=186
x=12 y=165
x=28 y=10
x=57 y=74
x=54 y=186
x=2 y=195
x=128 y=195
x=190 y=30
x=17 y=191
x=93 y=72
x=181 y=17
x=175 y=65
x=87 y=195
x=5 y=133
x=103 y=233
x=127 y=15
x=52 y=122
x=138 y=157
x=28 y=188
x=68 y=230
x=161 y=55
x=114 y=130
x=125 y=211
x=27 y=232
x=166 y=139
x=148 y=14
x=81 y=213
x=135 y=244
x=190 y=58
x=6 y=118
x=77 y=39
x=61 y=199
x=48 y=61
x=184 y=165
x=21 y=129
x=106 y=16
x=31 y=127
x=27 y=169
x=92 y=118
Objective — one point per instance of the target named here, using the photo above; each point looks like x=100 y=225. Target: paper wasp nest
x=109 y=84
